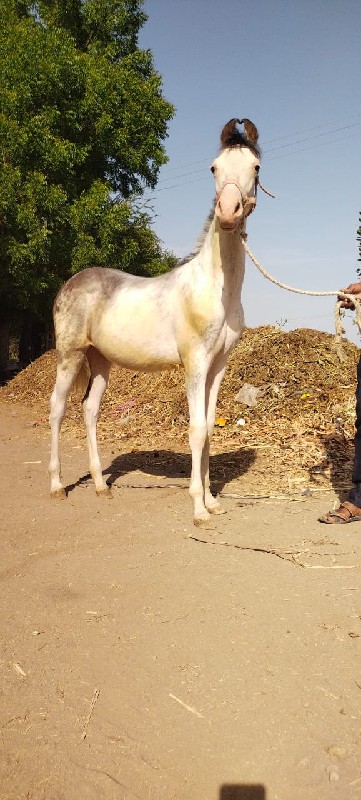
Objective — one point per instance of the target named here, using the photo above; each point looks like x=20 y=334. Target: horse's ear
x=250 y=131
x=229 y=132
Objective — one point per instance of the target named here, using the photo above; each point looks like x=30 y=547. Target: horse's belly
x=138 y=346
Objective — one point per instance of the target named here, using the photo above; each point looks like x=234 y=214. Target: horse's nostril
x=238 y=206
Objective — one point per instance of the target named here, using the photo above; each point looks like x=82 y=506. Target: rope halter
x=248 y=203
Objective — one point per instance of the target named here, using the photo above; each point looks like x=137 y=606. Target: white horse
x=191 y=316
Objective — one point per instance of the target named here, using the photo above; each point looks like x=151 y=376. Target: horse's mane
x=201 y=238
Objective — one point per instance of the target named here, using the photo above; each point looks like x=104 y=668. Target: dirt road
x=144 y=658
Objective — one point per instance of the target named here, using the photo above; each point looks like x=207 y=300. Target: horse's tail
x=81 y=385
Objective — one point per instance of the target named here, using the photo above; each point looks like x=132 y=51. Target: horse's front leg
x=198 y=434
x=214 y=380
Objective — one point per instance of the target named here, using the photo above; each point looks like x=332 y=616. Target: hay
x=300 y=433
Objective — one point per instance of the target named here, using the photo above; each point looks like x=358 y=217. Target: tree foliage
x=82 y=127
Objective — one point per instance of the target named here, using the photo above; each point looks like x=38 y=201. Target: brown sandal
x=346 y=512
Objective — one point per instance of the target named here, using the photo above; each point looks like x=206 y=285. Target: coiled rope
x=353 y=298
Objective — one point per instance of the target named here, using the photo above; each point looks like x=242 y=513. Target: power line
x=306 y=130
x=317 y=136
x=313 y=147
x=267 y=160
x=183 y=175
x=270 y=141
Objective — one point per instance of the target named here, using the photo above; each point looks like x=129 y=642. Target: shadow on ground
x=242 y=791
x=224 y=467
x=337 y=463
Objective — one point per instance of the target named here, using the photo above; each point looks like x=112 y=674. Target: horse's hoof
x=58 y=494
x=105 y=493
x=216 y=509
x=213 y=505
x=203 y=521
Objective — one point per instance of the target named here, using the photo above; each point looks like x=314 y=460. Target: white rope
x=353 y=298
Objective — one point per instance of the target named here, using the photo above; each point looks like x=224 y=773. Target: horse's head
x=235 y=172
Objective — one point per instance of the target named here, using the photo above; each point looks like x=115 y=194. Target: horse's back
x=94 y=281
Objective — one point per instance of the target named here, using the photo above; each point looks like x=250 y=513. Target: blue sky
x=293 y=67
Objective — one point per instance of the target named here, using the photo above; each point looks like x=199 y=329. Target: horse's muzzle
x=229 y=214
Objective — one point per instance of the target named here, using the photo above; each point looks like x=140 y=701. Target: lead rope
x=339 y=329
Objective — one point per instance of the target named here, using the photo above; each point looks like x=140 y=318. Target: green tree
x=82 y=127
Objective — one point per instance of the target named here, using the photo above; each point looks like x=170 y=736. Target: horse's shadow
x=224 y=467
x=338 y=459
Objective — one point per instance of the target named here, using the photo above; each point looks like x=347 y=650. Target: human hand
x=353 y=288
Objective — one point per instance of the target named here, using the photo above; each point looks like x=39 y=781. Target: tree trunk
x=32 y=341
x=25 y=345
x=4 y=346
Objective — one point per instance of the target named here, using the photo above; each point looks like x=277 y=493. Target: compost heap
x=297 y=437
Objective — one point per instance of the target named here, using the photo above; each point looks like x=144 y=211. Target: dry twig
x=92 y=706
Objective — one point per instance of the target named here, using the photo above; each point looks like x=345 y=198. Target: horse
x=190 y=316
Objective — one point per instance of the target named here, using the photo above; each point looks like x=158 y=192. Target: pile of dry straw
x=299 y=434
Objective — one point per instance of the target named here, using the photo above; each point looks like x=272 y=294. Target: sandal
x=347 y=512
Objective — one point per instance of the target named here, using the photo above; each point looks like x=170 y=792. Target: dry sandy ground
x=144 y=658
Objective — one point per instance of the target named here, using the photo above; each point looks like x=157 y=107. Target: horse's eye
x=257 y=168
x=213 y=169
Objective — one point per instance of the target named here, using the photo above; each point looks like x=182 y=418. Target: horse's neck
x=223 y=256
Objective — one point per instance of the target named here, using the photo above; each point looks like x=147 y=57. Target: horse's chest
x=225 y=328
x=217 y=335
x=224 y=338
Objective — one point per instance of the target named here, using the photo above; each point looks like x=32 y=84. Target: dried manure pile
x=298 y=436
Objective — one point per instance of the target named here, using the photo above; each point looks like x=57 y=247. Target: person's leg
x=355 y=492
x=350 y=509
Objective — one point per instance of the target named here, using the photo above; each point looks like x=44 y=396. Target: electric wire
x=323 y=134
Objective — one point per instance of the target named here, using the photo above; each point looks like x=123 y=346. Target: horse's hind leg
x=99 y=369
x=67 y=370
